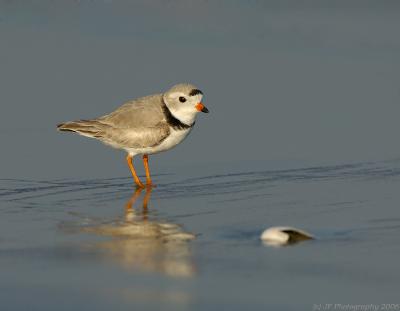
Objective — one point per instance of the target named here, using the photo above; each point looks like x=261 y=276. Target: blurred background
x=287 y=82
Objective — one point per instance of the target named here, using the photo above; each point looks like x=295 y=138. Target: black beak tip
x=205 y=110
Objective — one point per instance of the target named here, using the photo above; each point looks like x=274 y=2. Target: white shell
x=284 y=235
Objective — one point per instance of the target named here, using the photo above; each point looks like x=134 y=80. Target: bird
x=146 y=125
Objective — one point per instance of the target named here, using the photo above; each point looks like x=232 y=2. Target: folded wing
x=136 y=124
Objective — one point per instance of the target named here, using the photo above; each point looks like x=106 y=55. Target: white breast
x=174 y=138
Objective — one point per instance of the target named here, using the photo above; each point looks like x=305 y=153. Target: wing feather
x=138 y=123
x=144 y=112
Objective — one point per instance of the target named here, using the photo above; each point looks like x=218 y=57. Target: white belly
x=174 y=138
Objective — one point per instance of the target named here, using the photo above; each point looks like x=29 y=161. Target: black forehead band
x=195 y=92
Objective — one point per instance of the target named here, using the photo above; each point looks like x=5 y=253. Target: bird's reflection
x=147 y=245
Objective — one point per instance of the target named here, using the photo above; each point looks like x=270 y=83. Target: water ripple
x=28 y=193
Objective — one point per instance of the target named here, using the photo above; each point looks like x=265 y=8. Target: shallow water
x=290 y=84
x=193 y=241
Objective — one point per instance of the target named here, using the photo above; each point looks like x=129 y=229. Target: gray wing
x=143 y=112
x=138 y=138
x=138 y=123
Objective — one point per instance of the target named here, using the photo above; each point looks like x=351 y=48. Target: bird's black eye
x=182 y=99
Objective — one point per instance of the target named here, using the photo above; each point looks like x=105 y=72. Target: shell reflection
x=143 y=245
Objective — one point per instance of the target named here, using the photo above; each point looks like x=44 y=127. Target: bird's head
x=184 y=102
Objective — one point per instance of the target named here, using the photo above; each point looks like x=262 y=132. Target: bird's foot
x=140 y=186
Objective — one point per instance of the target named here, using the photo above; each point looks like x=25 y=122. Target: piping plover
x=146 y=125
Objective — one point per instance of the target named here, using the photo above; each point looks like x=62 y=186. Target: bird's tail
x=88 y=128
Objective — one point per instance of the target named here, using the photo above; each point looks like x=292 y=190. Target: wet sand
x=193 y=241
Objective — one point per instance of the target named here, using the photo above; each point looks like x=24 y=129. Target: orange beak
x=201 y=107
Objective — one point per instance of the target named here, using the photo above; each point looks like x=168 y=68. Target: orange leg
x=146 y=198
x=135 y=176
x=132 y=200
x=145 y=203
x=146 y=167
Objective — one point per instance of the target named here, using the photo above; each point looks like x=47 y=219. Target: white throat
x=187 y=118
x=185 y=111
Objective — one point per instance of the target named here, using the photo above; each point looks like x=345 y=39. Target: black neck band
x=175 y=123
